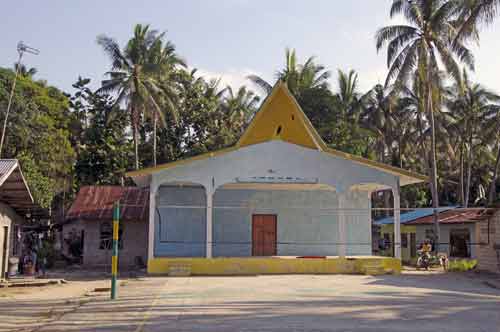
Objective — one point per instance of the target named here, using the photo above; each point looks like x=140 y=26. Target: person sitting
x=426 y=247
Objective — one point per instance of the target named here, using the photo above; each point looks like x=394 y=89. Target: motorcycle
x=424 y=260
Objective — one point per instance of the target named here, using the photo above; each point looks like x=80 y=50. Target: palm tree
x=239 y=108
x=136 y=75
x=473 y=13
x=492 y=191
x=299 y=77
x=421 y=45
x=348 y=98
x=163 y=55
x=472 y=106
x=379 y=117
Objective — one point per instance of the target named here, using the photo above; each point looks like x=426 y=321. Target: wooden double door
x=264 y=235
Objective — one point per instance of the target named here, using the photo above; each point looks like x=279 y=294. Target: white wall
x=7 y=219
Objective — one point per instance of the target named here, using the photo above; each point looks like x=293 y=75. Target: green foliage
x=42 y=187
x=150 y=99
x=104 y=151
x=461 y=265
x=47 y=252
x=39 y=129
x=142 y=76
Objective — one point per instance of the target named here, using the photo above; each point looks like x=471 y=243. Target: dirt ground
x=409 y=302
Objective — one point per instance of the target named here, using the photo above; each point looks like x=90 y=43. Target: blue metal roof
x=412 y=215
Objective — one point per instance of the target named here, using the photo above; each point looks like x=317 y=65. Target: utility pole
x=114 y=258
x=21 y=49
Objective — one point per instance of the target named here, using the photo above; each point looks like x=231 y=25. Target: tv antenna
x=21 y=49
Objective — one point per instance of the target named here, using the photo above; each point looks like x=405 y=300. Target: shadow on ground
x=445 y=302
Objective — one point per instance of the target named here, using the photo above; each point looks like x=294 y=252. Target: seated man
x=426 y=247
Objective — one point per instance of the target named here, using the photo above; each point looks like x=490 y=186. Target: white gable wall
x=351 y=181
x=275 y=158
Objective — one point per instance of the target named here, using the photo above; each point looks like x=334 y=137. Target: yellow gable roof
x=280 y=117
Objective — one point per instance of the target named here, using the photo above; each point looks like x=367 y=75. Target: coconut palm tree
x=299 y=77
x=162 y=54
x=421 y=45
x=379 y=117
x=239 y=107
x=492 y=191
x=348 y=98
x=473 y=108
x=136 y=75
x=472 y=14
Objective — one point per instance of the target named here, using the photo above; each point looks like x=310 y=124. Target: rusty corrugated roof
x=455 y=216
x=96 y=203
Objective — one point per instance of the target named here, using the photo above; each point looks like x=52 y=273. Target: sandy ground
x=410 y=302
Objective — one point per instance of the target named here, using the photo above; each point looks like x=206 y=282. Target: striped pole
x=114 y=258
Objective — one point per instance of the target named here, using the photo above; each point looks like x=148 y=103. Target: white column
x=397 y=221
x=152 y=214
x=209 y=224
x=341 y=248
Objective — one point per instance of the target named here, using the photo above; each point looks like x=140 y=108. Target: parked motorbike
x=423 y=260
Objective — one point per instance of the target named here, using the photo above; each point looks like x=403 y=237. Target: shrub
x=462 y=265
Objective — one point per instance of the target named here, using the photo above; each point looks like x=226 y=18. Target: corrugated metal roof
x=96 y=203
x=15 y=192
x=407 y=217
x=455 y=216
x=7 y=166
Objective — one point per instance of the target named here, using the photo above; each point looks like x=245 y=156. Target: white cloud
x=235 y=78
x=368 y=79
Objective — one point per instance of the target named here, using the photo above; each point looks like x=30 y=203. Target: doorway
x=264 y=235
x=459 y=243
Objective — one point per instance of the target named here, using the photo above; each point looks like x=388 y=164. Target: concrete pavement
x=443 y=302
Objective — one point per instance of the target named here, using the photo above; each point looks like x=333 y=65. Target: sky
x=227 y=39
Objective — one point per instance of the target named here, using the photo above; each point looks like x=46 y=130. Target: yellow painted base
x=273 y=265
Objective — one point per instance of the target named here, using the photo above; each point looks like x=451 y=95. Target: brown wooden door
x=264 y=234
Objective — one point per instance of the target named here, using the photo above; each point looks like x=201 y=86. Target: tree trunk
x=386 y=193
x=493 y=184
x=469 y=173
x=461 y=194
x=155 y=123
x=433 y=184
x=400 y=153
x=136 y=143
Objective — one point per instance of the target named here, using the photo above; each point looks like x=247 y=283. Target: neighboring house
x=16 y=203
x=489 y=243
x=409 y=242
x=88 y=226
x=458 y=227
x=280 y=191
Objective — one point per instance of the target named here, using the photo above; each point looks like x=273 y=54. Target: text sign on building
x=277 y=179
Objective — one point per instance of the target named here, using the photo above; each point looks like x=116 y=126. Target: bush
x=462 y=265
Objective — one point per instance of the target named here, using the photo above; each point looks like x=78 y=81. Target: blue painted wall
x=180 y=222
x=307 y=222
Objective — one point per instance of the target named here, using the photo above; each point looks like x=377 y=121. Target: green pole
x=114 y=258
